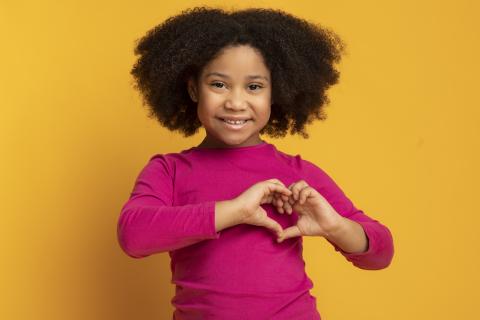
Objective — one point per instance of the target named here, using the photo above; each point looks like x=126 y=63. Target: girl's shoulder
x=304 y=166
x=291 y=159
x=164 y=162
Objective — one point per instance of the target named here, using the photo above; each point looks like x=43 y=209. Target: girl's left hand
x=316 y=216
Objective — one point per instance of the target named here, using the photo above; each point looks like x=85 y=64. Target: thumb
x=273 y=225
x=290 y=232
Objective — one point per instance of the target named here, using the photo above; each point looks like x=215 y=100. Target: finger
x=268 y=198
x=291 y=201
x=287 y=207
x=276 y=181
x=279 y=205
x=274 y=196
x=281 y=196
x=273 y=187
x=282 y=203
x=273 y=226
x=292 y=188
x=290 y=232
x=277 y=201
x=280 y=183
x=304 y=193
x=299 y=185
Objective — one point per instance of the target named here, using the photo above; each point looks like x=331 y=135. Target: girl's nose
x=235 y=101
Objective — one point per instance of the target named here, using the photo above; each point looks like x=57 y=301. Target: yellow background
x=401 y=139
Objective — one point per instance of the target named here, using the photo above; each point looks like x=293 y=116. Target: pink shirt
x=240 y=272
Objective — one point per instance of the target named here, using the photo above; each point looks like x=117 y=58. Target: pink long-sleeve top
x=240 y=272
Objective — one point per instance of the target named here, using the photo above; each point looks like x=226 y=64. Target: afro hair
x=300 y=55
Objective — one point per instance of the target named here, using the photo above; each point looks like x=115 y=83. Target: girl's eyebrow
x=227 y=77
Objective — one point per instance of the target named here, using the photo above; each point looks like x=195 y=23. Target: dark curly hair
x=299 y=54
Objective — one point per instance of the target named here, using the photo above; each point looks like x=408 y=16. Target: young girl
x=232 y=211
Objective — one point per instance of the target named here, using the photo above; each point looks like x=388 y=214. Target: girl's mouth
x=234 y=124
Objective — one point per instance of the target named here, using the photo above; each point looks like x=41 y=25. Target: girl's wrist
x=227 y=214
x=336 y=228
x=349 y=236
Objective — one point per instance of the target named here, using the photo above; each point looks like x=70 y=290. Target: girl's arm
x=349 y=236
x=145 y=229
x=378 y=238
x=380 y=250
x=149 y=223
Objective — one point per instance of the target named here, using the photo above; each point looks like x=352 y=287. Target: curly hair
x=300 y=55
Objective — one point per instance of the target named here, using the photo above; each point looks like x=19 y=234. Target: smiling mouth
x=234 y=124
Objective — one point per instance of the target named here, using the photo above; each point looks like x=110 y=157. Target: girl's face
x=234 y=86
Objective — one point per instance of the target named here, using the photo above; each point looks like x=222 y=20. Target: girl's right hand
x=260 y=193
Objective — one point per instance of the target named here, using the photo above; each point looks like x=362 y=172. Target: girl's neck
x=208 y=143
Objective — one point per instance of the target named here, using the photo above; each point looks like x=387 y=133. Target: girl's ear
x=192 y=90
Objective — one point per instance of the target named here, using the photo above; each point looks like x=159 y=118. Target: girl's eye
x=220 y=85
x=216 y=84
x=255 y=85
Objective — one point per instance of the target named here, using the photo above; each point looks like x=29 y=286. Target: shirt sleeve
x=380 y=241
x=148 y=221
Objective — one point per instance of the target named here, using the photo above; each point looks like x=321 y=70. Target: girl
x=222 y=209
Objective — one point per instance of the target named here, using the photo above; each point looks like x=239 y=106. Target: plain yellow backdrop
x=401 y=139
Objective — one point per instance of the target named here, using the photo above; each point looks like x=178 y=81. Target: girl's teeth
x=235 y=122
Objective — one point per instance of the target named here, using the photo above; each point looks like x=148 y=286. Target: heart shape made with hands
x=316 y=217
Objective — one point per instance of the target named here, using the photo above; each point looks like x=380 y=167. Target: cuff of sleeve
x=209 y=211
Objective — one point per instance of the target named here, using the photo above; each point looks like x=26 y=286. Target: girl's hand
x=316 y=216
x=260 y=193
